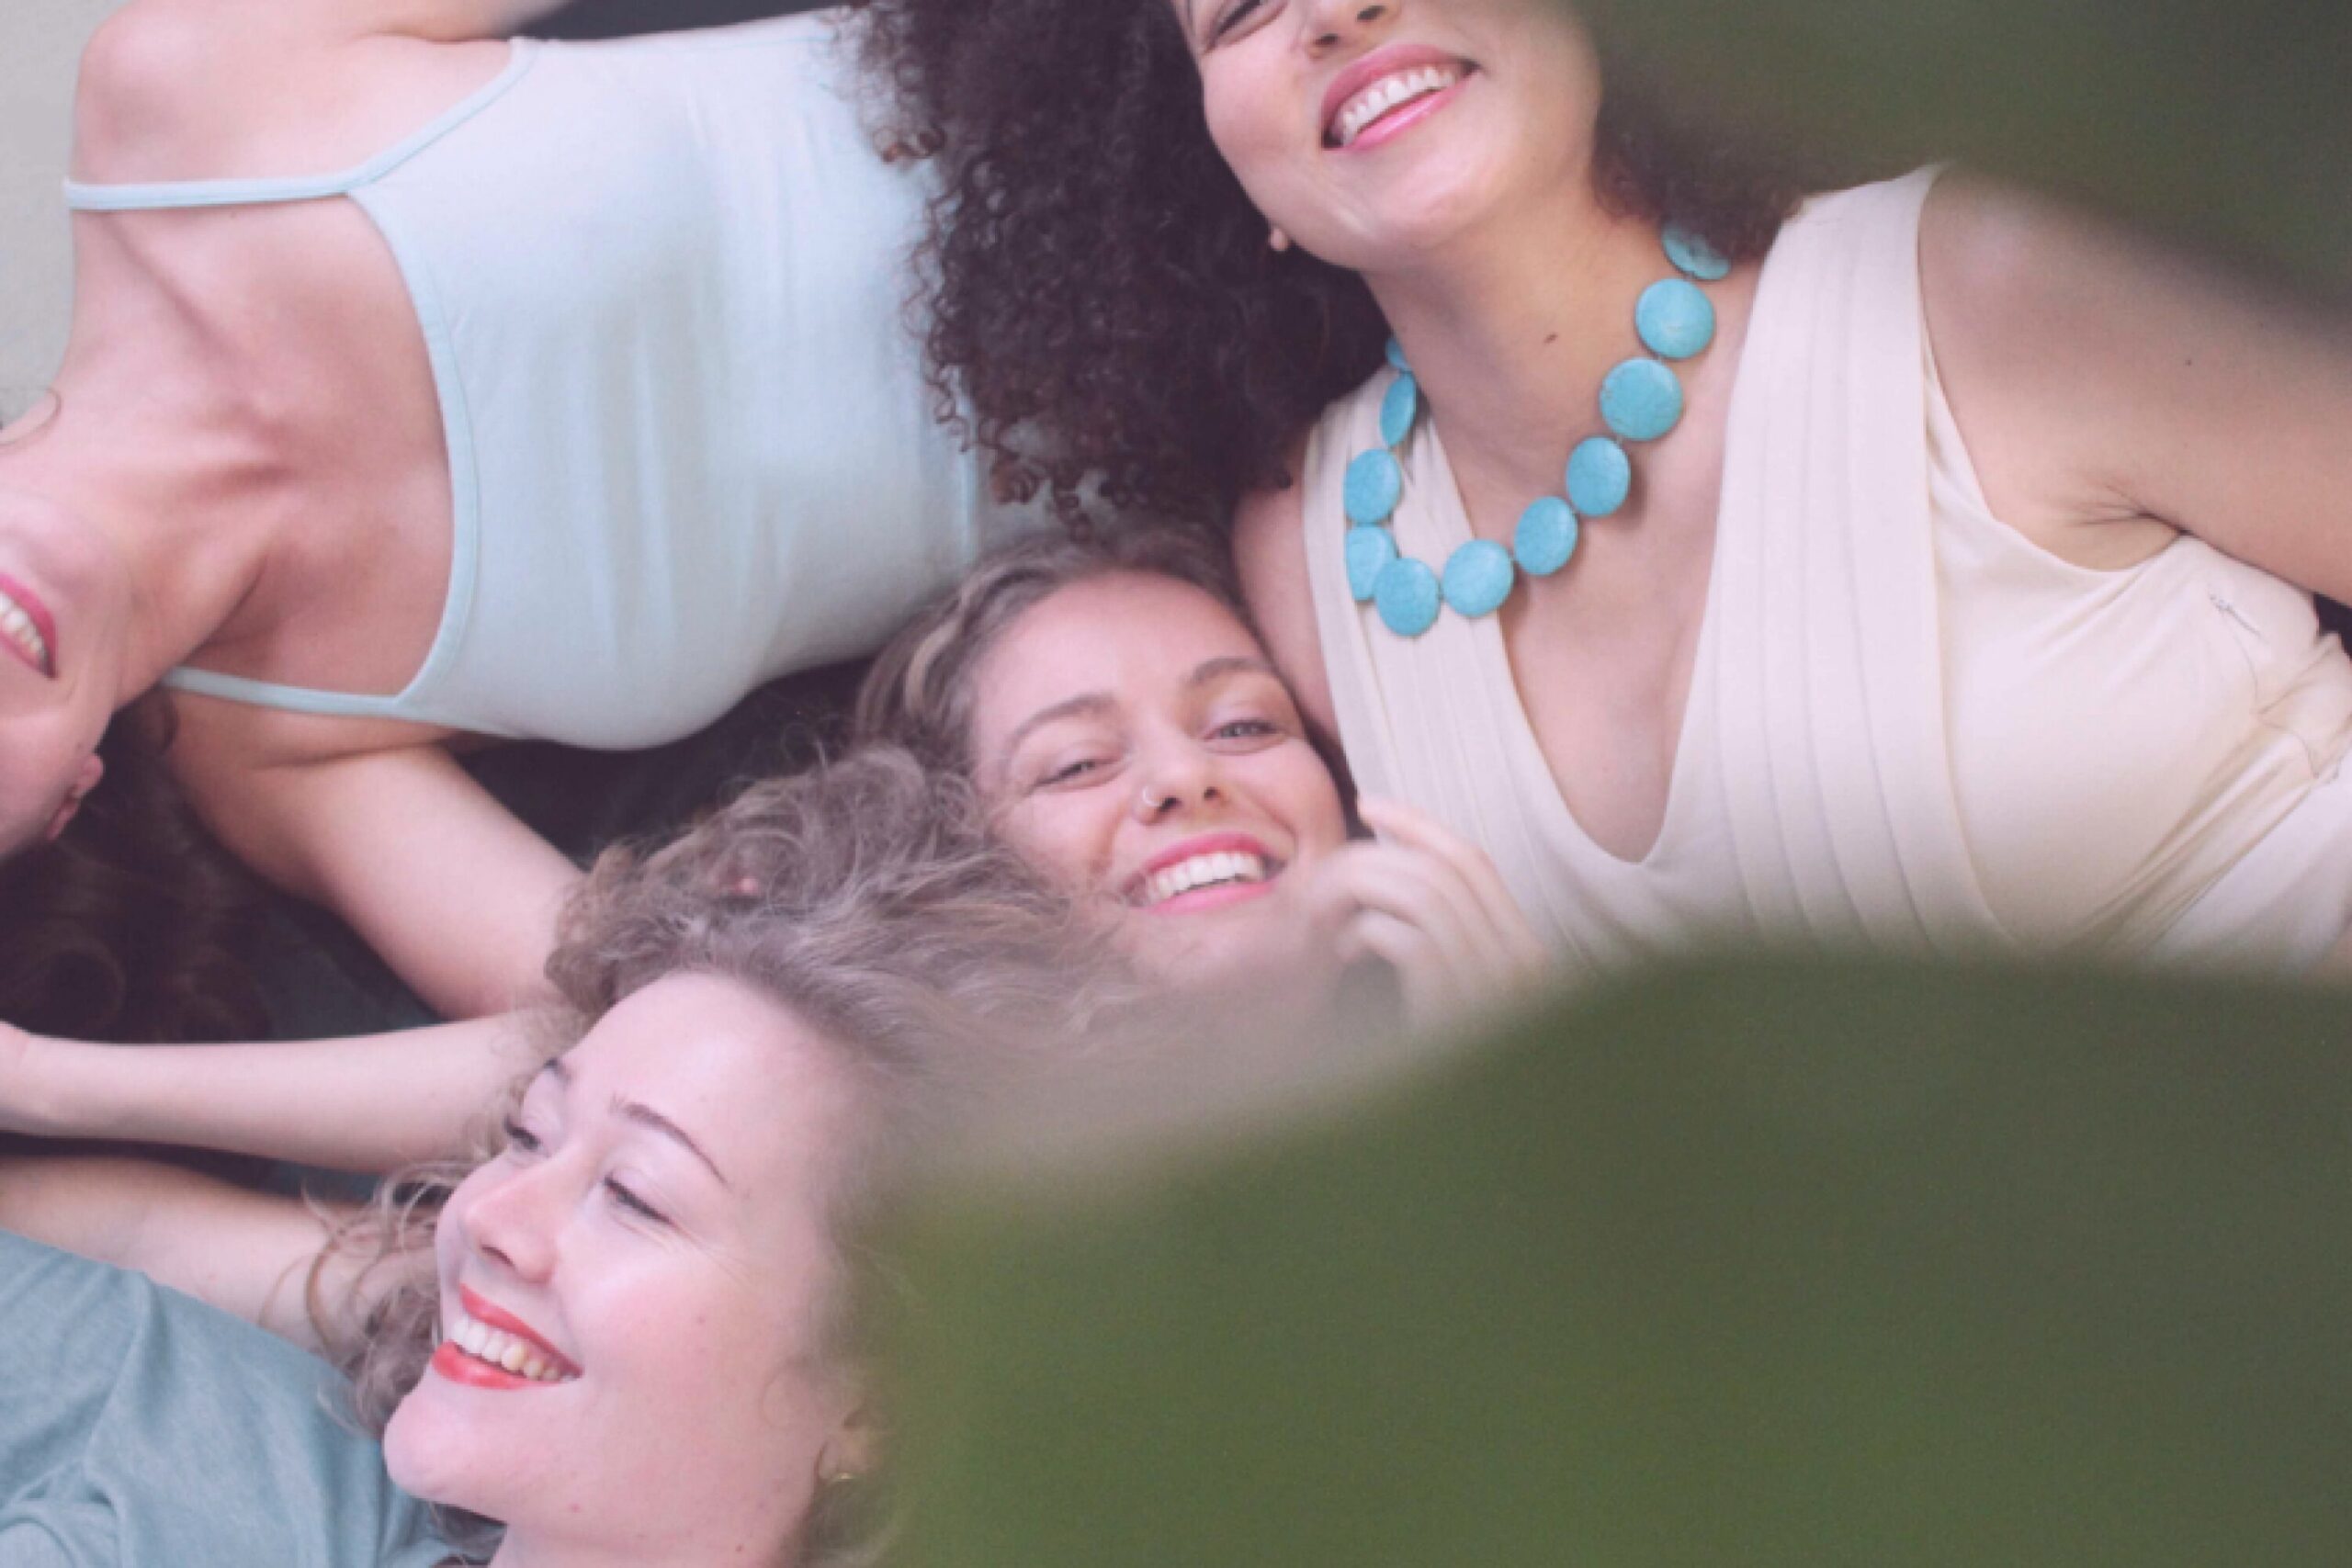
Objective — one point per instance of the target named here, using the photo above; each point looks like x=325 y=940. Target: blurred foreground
x=1752 y=1262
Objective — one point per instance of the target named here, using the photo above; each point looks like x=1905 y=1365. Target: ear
x=1276 y=240
x=84 y=781
x=852 y=1451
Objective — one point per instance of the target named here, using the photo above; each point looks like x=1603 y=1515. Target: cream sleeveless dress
x=1908 y=726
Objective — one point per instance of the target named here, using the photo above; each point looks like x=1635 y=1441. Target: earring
x=1276 y=241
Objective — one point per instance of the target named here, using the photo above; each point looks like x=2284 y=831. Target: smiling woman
x=1121 y=723
x=1918 y=566
x=623 y=1330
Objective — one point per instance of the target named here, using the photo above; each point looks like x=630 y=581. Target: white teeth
x=501 y=1349
x=18 y=628
x=1202 y=871
x=1390 y=92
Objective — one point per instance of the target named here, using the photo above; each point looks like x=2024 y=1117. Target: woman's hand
x=1432 y=905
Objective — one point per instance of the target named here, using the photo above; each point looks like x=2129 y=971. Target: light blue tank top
x=663 y=288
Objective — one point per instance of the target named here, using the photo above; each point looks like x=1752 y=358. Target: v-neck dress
x=1908 y=726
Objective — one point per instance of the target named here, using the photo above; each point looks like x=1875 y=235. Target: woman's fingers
x=1408 y=886
x=1416 y=829
x=1433 y=991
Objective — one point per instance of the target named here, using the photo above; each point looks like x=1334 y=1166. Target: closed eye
x=1234 y=18
x=521 y=1139
x=1076 y=771
x=633 y=1203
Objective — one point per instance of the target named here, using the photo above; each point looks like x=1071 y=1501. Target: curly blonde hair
x=867 y=899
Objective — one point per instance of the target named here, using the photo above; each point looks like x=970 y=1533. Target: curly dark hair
x=1101 y=296
x=135 y=925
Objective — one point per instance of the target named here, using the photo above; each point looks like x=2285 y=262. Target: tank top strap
x=173 y=194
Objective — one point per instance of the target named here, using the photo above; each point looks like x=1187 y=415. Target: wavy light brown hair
x=1101 y=295
x=866 y=898
x=919 y=692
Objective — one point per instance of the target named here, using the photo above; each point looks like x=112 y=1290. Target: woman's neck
x=522 y=1549
x=1511 y=331
x=172 y=501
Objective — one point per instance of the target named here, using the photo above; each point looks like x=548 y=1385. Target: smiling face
x=1376 y=133
x=633 y=1294
x=64 y=626
x=1137 y=745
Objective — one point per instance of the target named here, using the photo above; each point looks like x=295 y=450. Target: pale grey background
x=40 y=41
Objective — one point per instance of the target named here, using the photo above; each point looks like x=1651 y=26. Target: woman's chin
x=433 y=1451
x=1244 y=956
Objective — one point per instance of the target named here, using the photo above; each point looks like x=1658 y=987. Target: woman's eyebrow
x=645 y=1116
x=1230 y=664
x=1086 y=704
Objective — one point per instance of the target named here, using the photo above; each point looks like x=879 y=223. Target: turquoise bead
x=1675 y=319
x=1600 y=475
x=1370 y=550
x=1478 y=578
x=1546 y=536
x=1406 y=597
x=1375 y=485
x=1641 y=399
x=1397 y=357
x=1693 y=256
x=1399 y=408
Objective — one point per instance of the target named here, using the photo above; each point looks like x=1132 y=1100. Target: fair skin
x=245 y=471
x=1120 y=719
x=1138 y=744
x=2111 y=400
x=658 y=1223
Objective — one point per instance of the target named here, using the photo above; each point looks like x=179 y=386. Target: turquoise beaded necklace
x=1641 y=399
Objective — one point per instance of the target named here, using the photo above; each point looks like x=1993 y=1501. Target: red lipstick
x=36 y=613
x=490 y=1314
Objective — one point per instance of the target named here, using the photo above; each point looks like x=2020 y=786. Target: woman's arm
x=2109 y=392
x=371 y=1103
x=248 y=1253
x=454 y=892
x=1269 y=559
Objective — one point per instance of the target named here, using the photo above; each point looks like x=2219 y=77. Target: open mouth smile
x=1383 y=94
x=500 y=1353
x=1203 y=874
x=26 y=628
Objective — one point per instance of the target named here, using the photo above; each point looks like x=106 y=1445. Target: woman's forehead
x=737 y=1071
x=1125 y=631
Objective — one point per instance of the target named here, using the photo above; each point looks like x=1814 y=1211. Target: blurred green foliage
x=2228 y=125
x=1746 y=1264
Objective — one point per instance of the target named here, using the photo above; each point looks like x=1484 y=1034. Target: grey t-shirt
x=140 y=1426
